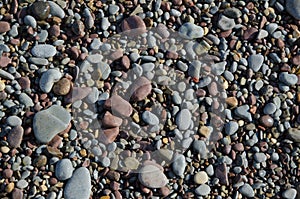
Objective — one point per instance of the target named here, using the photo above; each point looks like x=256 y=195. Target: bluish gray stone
x=56 y=10
x=194 y=69
x=191 y=31
x=38 y=61
x=6 y=75
x=242 y=112
x=269 y=108
x=255 y=62
x=50 y=122
x=179 y=165
x=14 y=121
x=150 y=118
x=113 y=9
x=183 y=119
x=30 y=21
x=293 y=7
x=246 y=190
x=26 y=100
x=260 y=157
x=203 y=190
x=289 y=193
x=105 y=23
x=226 y=23
x=64 y=169
x=231 y=127
x=43 y=50
x=48 y=79
x=79 y=185
x=218 y=68
x=288 y=79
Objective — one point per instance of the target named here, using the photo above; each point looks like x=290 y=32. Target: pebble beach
x=149 y=99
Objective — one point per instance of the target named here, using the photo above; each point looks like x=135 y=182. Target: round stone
x=64 y=169
x=62 y=87
x=247 y=191
x=40 y=10
x=201 y=177
x=191 y=31
x=289 y=193
x=151 y=176
x=267 y=121
x=184 y=119
x=203 y=190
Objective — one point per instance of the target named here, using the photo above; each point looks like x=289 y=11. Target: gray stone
x=232 y=13
x=30 y=21
x=50 y=122
x=218 y=68
x=14 y=121
x=293 y=7
x=22 y=184
x=56 y=10
x=242 y=112
x=43 y=50
x=255 y=62
x=152 y=176
x=150 y=118
x=113 y=9
x=271 y=27
x=269 y=108
x=64 y=169
x=262 y=34
x=48 y=79
x=231 y=127
x=38 y=61
x=182 y=66
x=6 y=75
x=79 y=185
x=191 y=31
x=289 y=193
x=226 y=23
x=194 y=69
x=26 y=100
x=203 y=190
x=183 y=119
x=288 y=79
x=179 y=165
x=294 y=134
x=199 y=147
x=260 y=157
x=246 y=190
x=105 y=23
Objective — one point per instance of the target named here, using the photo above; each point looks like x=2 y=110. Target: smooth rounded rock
x=289 y=193
x=191 y=31
x=40 y=10
x=293 y=8
x=203 y=190
x=64 y=169
x=48 y=79
x=150 y=118
x=255 y=62
x=43 y=50
x=288 y=79
x=183 y=119
x=151 y=176
x=15 y=136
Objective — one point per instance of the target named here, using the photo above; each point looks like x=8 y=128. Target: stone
x=79 y=185
x=140 y=89
x=62 y=87
x=260 y=157
x=17 y=194
x=191 y=31
x=56 y=10
x=183 y=119
x=255 y=62
x=131 y=163
x=118 y=106
x=231 y=127
x=289 y=193
x=4 y=27
x=242 y=112
x=43 y=50
x=7 y=173
x=38 y=61
x=6 y=75
x=294 y=134
x=64 y=169
x=269 y=108
x=152 y=176
x=150 y=118
x=201 y=177
x=40 y=161
x=203 y=190
x=50 y=122
x=288 y=79
x=4 y=60
x=14 y=121
x=267 y=121
x=26 y=100
x=232 y=101
x=134 y=23
x=30 y=21
x=194 y=69
x=246 y=190
x=232 y=13
x=179 y=165
x=199 y=147
x=111 y=121
x=40 y=10
x=109 y=135
x=226 y=23
x=221 y=172
x=48 y=79
x=105 y=23
x=218 y=68
x=293 y=8
x=14 y=138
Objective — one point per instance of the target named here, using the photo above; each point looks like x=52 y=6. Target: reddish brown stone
x=140 y=89
x=250 y=33
x=267 y=121
x=111 y=121
x=4 y=60
x=134 y=23
x=54 y=30
x=109 y=135
x=15 y=136
x=4 y=26
x=125 y=62
x=7 y=173
x=17 y=194
x=119 y=106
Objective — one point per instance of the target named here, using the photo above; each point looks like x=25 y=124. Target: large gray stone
x=293 y=7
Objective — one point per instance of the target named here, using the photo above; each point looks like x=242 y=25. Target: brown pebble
x=140 y=89
x=54 y=30
x=232 y=101
x=24 y=82
x=118 y=106
x=62 y=87
x=111 y=121
x=40 y=161
x=109 y=135
x=267 y=121
x=134 y=22
x=4 y=60
x=4 y=26
x=15 y=136
x=239 y=147
x=125 y=62
x=7 y=173
x=17 y=194
x=164 y=191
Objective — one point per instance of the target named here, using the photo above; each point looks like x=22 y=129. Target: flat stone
x=50 y=122
x=38 y=61
x=221 y=172
x=17 y=193
x=4 y=26
x=226 y=23
x=218 y=68
x=118 y=106
x=191 y=31
x=140 y=89
x=294 y=134
x=289 y=193
x=232 y=13
x=179 y=165
x=14 y=138
x=64 y=169
x=48 y=79
x=109 y=135
x=194 y=69
x=4 y=60
x=260 y=157
x=14 y=121
x=111 y=121
x=150 y=118
x=43 y=50
x=134 y=23
x=184 y=119
x=231 y=127
x=30 y=21
x=6 y=75
x=242 y=112
x=79 y=185
x=152 y=176
x=201 y=177
x=203 y=190
x=293 y=8
x=199 y=147
x=269 y=108
x=56 y=10
x=246 y=190
x=26 y=100
x=255 y=62
x=288 y=79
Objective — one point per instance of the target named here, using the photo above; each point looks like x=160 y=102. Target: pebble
x=17 y=193
x=22 y=184
x=191 y=31
x=267 y=121
x=4 y=26
x=231 y=127
x=203 y=190
x=135 y=23
x=14 y=121
x=179 y=165
x=242 y=112
x=260 y=157
x=226 y=23
x=56 y=10
x=288 y=79
x=62 y=87
x=269 y=108
x=26 y=100
x=14 y=138
x=184 y=119
x=152 y=176
x=218 y=68
x=6 y=75
x=111 y=121
x=38 y=61
x=201 y=177
x=64 y=169
x=150 y=118
x=48 y=79
x=232 y=13
x=293 y=8
x=119 y=106
x=246 y=190
x=255 y=62
x=194 y=69
x=58 y=119
x=79 y=185
x=43 y=50
x=40 y=10
x=30 y=21
x=140 y=89
x=294 y=134
x=289 y=193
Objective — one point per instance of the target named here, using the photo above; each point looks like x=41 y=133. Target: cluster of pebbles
x=149 y=99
